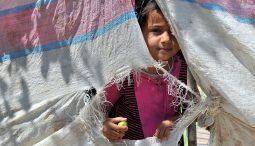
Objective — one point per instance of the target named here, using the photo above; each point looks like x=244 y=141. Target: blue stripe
x=71 y=41
x=26 y=7
x=40 y=3
x=212 y=7
x=245 y=20
x=17 y=9
x=215 y=7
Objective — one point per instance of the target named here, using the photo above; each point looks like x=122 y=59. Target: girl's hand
x=112 y=131
x=163 y=131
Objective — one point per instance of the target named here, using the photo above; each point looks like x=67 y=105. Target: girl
x=146 y=105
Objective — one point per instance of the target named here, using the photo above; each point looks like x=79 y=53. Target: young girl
x=146 y=105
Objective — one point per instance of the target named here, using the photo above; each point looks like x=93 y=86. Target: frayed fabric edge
x=93 y=115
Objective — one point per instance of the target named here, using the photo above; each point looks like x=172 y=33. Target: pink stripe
x=57 y=21
x=242 y=8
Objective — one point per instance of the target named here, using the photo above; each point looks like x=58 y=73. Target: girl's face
x=158 y=37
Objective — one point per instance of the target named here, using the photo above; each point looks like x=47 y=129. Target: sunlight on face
x=158 y=37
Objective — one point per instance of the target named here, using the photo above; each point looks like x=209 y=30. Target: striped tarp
x=51 y=52
x=217 y=38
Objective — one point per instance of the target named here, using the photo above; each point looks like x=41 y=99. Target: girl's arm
x=111 y=130
x=112 y=94
x=164 y=129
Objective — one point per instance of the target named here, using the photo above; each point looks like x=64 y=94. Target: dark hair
x=143 y=7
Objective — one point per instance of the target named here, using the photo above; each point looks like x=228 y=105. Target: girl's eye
x=156 y=30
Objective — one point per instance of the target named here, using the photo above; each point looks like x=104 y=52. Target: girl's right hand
x=112 y=131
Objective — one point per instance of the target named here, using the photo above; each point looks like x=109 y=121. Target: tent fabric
x=53 y=51
x=217 y=38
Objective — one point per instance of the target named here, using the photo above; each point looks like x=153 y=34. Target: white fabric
x=219 y=49
x=43 y=98
x=44 y=88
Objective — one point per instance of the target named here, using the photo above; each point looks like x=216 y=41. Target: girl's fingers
x=112 y=131
x=118 y=119
x=113 y=135
x=164 y=129
x=162 y=132
x=118 y=128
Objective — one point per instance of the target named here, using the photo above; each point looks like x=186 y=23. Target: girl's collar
x=156 y=72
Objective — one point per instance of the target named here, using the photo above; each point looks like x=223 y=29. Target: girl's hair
x=143 y=7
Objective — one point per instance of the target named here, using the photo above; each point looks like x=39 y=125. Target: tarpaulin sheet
x=53 y=51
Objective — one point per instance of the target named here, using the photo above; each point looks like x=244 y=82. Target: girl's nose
x=165 y=37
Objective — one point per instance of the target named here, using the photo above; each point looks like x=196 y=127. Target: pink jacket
x=152 y=100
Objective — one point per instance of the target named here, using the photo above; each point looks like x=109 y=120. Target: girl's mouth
x=165 y=49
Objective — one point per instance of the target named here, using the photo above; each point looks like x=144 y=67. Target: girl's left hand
x=163 y=131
